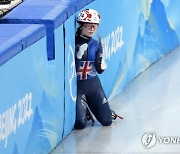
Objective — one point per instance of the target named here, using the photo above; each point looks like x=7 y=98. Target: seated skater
x=89 y=62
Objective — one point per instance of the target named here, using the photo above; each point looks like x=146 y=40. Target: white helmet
x=89 y=16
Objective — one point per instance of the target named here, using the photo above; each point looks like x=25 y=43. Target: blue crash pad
x=51 y=13
x=14 y=38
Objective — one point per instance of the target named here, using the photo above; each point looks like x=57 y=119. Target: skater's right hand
x=103 y=64
x=82 y=48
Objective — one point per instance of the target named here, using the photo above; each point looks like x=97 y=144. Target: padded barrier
x=50 y=13
x=15 y=38
x=22 y=94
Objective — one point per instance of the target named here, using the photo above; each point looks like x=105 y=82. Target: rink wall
x=38 y=83
x=135 y=34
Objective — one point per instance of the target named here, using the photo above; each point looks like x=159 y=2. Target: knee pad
x=79 y=125
x=106 y=122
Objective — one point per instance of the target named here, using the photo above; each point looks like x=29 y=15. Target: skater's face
x=89 y=29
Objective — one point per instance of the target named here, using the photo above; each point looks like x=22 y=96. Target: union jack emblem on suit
x=86 y=70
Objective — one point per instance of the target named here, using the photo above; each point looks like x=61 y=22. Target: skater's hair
x=78 y=32
x=79 y=29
